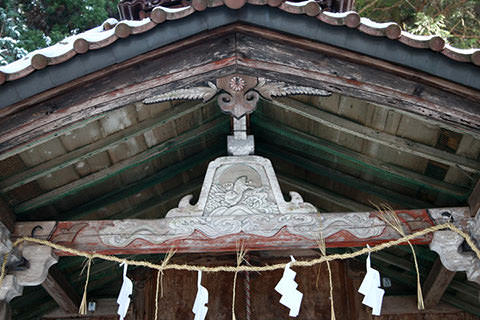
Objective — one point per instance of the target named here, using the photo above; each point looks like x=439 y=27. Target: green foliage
x=456 y=20
x=26 y=25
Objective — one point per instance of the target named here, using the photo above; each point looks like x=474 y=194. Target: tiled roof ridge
x=111 y=30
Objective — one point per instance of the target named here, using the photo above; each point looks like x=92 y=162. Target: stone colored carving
x=40 y=259
x=447 y=245
x=228 y=189
x=10 y=288
x=242 y=195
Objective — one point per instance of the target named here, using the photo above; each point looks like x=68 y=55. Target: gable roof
x=430 y=54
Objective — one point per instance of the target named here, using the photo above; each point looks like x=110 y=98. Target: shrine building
x=262 y=136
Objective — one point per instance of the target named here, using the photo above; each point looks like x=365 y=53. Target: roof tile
x=111 y=30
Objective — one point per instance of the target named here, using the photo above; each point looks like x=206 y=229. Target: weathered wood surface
x=204 y=234
x=407 y=305
x=392 y=141
x=90 y=150
x=164 y=73
x=300 y=141
x=280 y=60
x=61 y=290
x=474 y=200
x=7 y=217
x=264 y=300
x=436 y=284
x=209 y=128
x=167 y=69
x=106 y=309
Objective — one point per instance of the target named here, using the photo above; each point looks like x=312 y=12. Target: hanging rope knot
x=83 y=305
x=240 y=257
x=388 y=215
x=161 y=268
x=323 y=250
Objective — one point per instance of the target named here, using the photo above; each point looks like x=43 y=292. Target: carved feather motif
x=196 y=93
x=281 y=89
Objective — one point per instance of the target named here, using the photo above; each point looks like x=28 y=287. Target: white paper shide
x=370 y=288
x=123 y=299
x=287 y=287
x=199 y=307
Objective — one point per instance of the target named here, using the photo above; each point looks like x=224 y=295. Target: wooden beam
x=5 y=311
x=219 y=125
x=7 y=217
x=159 y=201
x=132 y=84
x=201 y=233
x=303 y=142
x=360 y=59
x=99 y=146
x=317 y=192
x=409 y=279
x=416 y=92
x=399 y=305
x=136 y=187
x=281 y=60
x=474 y=200
x=103 y=308
x=436 y=284
x=398 y=143
x=61 y=291
x=370 y=188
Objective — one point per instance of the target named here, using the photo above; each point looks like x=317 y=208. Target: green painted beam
x=398 y=143
x=220 y=125
x=277 y=132
x=50 y=136
x=303 y=187
x=136 y=187
x=157 y=201
x=90 y=150
x=406 y=202
x=410 y=279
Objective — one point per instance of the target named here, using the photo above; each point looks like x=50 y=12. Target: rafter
x=358 y=130
x=159 y=201
x=7 y=217
x=316 y=192
x=303 y=142
x=219 y=125
x=99 y=146
x=436 y=284
x=61 y=291
x=328 y=173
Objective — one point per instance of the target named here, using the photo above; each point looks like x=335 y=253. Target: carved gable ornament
x=240 y=193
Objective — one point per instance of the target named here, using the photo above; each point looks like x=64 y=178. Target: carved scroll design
x=40 y=259
x=359 y=225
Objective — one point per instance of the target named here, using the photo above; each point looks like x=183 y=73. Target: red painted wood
x=86 y=236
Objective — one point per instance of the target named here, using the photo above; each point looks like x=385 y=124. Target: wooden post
x=7 y=217
x=5 y=312
x=436 y=284
x=61 y=291
x=474 y=200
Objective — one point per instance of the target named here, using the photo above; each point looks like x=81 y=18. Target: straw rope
x=83 y=306
x=388 y=215
x=249 y=268
x=240 y=257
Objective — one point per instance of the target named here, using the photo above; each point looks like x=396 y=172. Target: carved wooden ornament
x=238 y=94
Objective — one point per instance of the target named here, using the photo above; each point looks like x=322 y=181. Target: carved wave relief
x=241 y=197
x=359 y=225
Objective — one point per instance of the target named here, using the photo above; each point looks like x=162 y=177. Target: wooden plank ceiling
x=341 y=153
